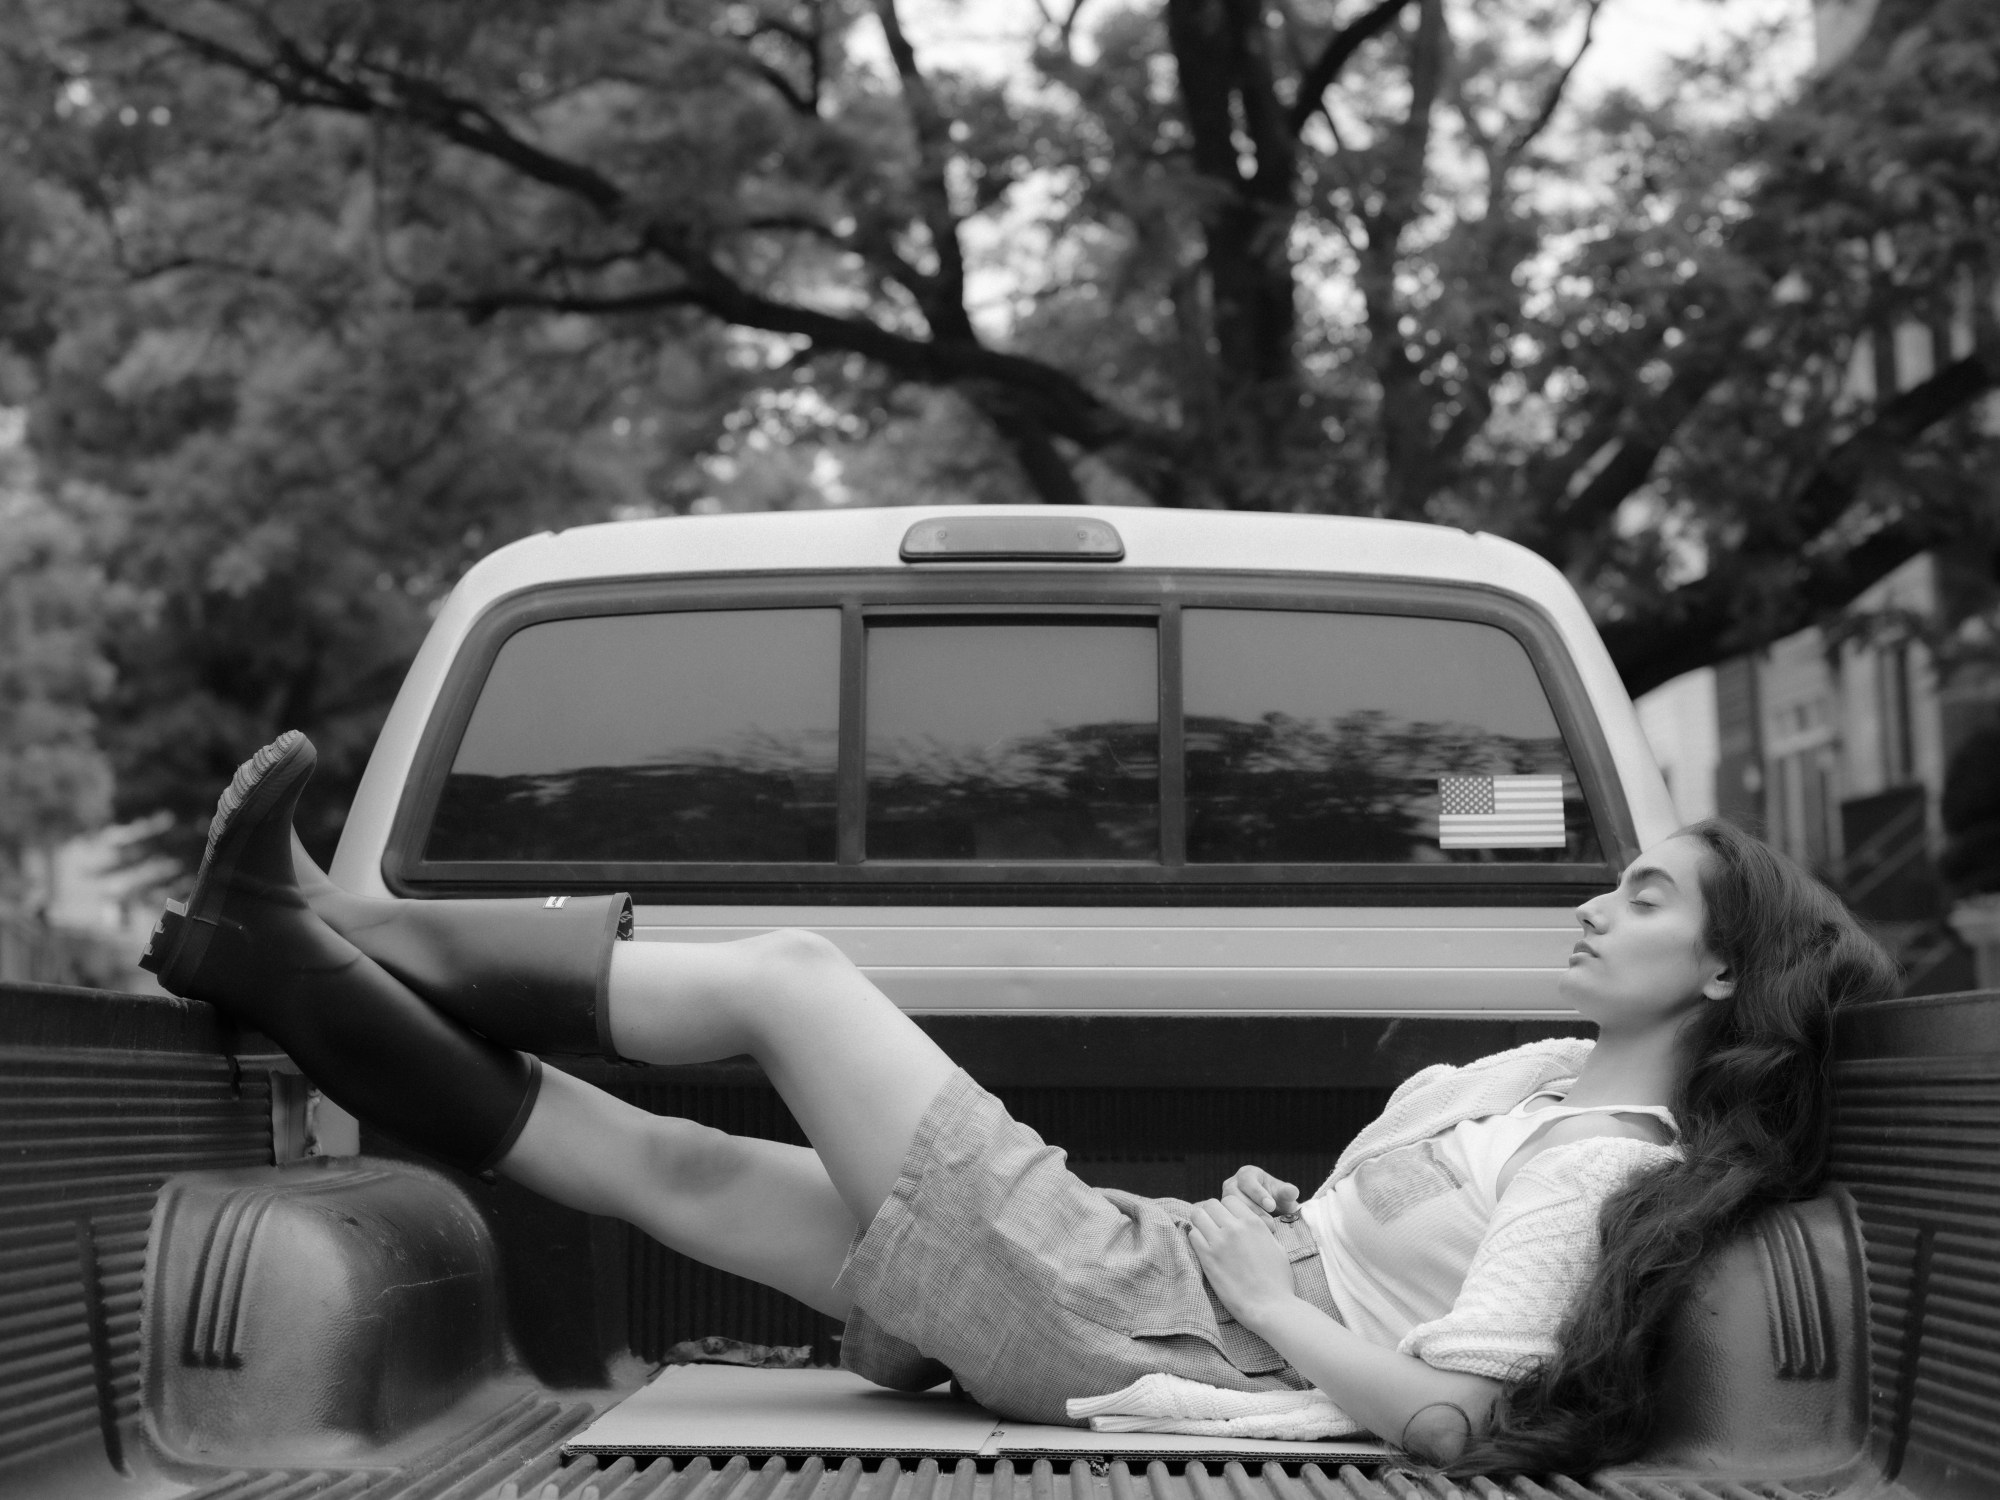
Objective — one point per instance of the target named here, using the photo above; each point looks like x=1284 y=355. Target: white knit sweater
x=1542 y=1244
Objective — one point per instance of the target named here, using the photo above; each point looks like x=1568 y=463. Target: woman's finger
x=1204 y=1252
x=1266 y=1197
x=1242 y=1212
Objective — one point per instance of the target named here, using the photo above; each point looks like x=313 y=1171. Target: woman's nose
x=1586 y=916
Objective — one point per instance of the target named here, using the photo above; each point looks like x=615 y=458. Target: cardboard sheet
x=726 y=1409
x=1028 y=1440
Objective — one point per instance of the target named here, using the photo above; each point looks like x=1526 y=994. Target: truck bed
x=532 y=1469
x=118 y=1112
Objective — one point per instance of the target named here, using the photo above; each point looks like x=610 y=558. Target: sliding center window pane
x=1323 y=737
x=705 y=735
x=1013 y=742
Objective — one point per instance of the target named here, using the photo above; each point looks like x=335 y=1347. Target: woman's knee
x=793 y=956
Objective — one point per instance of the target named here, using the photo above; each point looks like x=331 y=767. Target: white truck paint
x=1438 y=961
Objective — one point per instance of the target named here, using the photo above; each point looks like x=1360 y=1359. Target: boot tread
x=243 y=783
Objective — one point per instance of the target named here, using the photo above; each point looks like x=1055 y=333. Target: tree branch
x=1064 y=28
x=480 y=307
x=733 y=51
x=1404 y=168
x=299 y=79
x=944 y=305
x=1257 y=87
x=560 y=262
x=799 y=101
x=1552 y=99
x=1704 y=362
x=1899 y=422
x=1703 y=621
x=1201 y=57
x=1051 y=397
x=1062 y=405
x=152 y=270
x=1046 y=469
x=1335 y=55
x=1408 y=405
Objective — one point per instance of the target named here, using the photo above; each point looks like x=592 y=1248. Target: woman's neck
x=1630 y=1068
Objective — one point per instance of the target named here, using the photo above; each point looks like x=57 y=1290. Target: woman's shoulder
x=1497 y=1081
x=1443 y=1094
x=1593 y=1162
x=1536 y=1062
x=1602 y=1132
x=1527 y=1066
x=1557 y=1056
x=1606 y=1124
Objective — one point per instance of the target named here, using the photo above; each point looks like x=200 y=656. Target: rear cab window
x=1013 y=739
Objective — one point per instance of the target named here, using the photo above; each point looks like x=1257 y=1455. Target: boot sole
x=180 y=938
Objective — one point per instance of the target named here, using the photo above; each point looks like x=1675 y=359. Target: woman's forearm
x=1430 y=1412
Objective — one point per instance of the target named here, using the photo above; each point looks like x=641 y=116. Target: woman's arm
x=1430 y=1412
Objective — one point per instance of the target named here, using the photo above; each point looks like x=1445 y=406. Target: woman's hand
x=1242 y=1259
x=1261 y=1190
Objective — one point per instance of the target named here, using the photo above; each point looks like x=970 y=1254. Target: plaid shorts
x=993 y=1262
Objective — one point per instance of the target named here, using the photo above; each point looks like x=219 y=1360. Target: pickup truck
x=1143 y=815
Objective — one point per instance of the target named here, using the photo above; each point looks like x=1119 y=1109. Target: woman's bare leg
x=756 y=1208
x=857 y=1073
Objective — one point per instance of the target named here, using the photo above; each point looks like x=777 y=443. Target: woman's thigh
x=995 y=1259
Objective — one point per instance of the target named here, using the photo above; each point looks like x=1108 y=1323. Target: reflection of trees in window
x=1084 y=791
x=1361 y=787
x=757 y=798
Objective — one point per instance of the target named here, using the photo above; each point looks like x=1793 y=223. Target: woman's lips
x=1582 y=950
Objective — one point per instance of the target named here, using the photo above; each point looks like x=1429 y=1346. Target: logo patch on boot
x=555 y=903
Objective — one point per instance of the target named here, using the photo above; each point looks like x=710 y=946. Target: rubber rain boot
x=531 y=972
x=247 y=942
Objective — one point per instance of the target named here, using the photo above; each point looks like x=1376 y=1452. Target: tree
x=1873 y=219
x=306 y=462
x=1971 y=811
x=343 y=294
x=54 y=782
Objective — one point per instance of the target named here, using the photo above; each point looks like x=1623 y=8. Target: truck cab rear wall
x=771 y=559
x=1436 y=963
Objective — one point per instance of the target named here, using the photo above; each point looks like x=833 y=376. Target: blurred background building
x=1842 y=743
x=1836 y=744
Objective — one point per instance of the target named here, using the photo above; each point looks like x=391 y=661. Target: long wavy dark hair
x=1755 y=1111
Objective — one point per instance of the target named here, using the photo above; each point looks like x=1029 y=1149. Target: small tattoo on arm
x=1439 y=1447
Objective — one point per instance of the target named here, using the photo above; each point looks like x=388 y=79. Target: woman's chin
x=1573 y=992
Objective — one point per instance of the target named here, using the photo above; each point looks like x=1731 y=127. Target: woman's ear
x=1721 y=984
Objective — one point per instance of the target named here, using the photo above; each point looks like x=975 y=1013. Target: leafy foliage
x=1971 y=810
x=54 y=781
x=308 y=460
x=336 y=296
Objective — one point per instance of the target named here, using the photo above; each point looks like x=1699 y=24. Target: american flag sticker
x=1500 y=812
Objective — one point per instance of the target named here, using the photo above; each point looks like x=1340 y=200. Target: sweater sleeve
x=1421 y=1079
x=1535 y=1260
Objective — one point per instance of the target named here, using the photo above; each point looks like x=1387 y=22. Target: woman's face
x=1641 y=960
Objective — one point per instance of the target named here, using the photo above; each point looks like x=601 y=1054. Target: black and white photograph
x=1000 y=749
